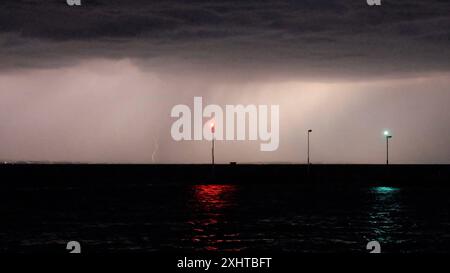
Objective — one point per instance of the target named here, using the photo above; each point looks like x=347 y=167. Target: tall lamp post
x=388 y=136
x=309 y=132
x=213 y=130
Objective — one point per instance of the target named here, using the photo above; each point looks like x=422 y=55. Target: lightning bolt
x=155 y=149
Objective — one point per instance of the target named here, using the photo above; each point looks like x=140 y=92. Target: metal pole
x=308 y=147
x=212 y=150
x=309 y=162
x=387 y=150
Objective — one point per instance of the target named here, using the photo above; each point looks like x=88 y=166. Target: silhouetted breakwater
x=122 y=174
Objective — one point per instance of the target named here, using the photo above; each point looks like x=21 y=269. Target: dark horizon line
x=26 y=162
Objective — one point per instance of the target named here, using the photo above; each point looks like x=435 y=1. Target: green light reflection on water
x=385 y=189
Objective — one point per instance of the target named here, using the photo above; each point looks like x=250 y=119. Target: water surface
x=230 y=218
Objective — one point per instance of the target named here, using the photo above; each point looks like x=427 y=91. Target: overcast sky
x=97 y=83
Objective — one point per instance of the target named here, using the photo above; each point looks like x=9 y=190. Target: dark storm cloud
x=118 y=68
x=310 y=36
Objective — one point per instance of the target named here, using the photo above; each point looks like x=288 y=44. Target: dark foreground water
x=225 y=218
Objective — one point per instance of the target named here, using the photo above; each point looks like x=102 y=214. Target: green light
x=386 y=133
x=385 y=190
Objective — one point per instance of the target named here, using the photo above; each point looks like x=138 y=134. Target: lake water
x=273 y=218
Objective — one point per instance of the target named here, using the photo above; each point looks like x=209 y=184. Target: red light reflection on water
x=214 y=197
x=211 y=225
